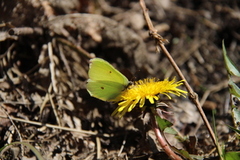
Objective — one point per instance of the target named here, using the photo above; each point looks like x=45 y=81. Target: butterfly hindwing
x=104 y=90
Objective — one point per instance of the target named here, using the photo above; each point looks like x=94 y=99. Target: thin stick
x=77 y=49
x=54 y=81
x=192 y=95
x=50 y=125
x=98 y=147
x=123 y=144
x=25 y=31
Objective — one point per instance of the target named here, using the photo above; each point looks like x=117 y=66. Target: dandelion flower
x=147 y=89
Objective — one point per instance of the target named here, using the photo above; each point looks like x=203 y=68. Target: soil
x=45 y=48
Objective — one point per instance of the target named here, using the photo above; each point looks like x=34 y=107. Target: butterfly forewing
x=101 y=70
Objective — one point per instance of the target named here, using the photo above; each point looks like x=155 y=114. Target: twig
x=52 y=67
x=68 y=68
x=50 y=125
x=25 y=31
x=123 y=145
x=54 y=81
x=192 y=95
x=98 y=147
x=76 y=48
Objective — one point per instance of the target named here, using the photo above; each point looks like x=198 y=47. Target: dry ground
x=45 y=49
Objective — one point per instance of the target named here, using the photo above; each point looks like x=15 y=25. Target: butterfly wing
x=101 y=70
x=105 y=82
x=104 y=90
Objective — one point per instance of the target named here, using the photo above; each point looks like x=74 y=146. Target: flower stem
x=163 y=143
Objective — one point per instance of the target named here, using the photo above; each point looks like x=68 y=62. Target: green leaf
x=236 y=130
x=163 y=123
x=232 y=70
x=188 y=156
x=185 y=154
x=233 y=88
x=232 y=155
x=170 y=130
